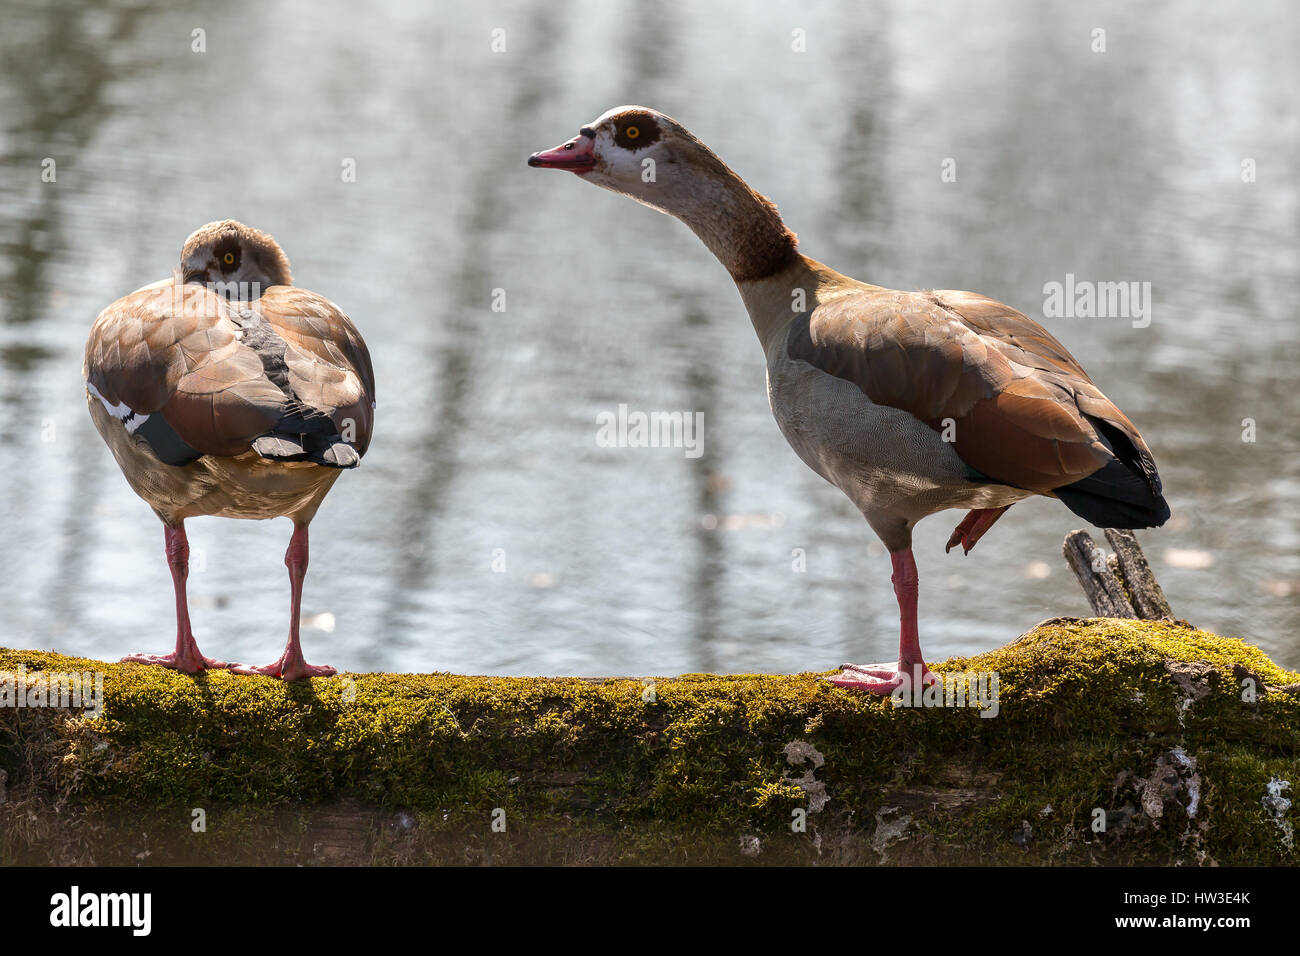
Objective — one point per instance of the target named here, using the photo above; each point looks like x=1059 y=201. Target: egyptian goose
x=908 y=402
x=225 y=390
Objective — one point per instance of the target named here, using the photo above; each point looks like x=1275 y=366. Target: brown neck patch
x=766 y=248
x=273 y=261
x=752 y=241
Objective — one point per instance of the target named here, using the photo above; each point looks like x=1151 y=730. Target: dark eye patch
x=636 y=131
x=227 y=249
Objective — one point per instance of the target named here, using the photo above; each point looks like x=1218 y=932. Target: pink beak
x=578 y=155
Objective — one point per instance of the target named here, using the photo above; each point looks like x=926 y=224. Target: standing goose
x=908 y=402
x=224 y=390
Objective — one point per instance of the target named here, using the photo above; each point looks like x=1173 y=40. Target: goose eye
x=632 y=132
x=228 y=258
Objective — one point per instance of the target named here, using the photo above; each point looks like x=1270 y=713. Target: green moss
x=412 y=767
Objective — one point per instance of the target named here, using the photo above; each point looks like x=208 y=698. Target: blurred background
x=1117 y=166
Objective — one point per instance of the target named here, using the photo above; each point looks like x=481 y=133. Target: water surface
x=487 y=531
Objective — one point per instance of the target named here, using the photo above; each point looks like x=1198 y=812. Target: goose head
x=644 y=154
x=234 y=260
x=653 y=159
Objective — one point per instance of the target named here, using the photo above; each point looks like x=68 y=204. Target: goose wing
x=1020 y=409
x=328 y=363
x=194 y=374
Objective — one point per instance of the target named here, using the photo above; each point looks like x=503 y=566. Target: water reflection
x=487 y=531
x=57 y=72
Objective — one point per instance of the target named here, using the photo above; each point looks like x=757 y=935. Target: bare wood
x=1144 y=591
x=1112 y=565
x=1112 y=568
x=1099 y=583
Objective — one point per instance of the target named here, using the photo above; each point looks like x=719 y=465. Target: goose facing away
x=226 y=390
x=908 y=402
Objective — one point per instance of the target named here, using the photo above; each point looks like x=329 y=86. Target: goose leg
x=186 y=657
x=972 y=528
x=291 y=665
x=885 y=678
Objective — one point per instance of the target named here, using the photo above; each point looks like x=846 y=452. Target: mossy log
x=1183 y=744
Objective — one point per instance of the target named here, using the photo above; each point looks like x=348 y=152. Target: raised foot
x=972 y=528
x=882 y=679
x=286 y=669
x=185 y=663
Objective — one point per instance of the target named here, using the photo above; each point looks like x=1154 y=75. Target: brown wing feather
x=1027 y=343
x=1017 y=397
x=329 y=364
x=172 y=349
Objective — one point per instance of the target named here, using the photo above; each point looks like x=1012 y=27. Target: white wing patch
x=129 y=419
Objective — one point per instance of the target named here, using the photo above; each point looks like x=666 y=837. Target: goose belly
x=886 y=461
x=245 y=486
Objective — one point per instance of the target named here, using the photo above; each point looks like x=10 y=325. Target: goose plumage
x=226 y=390
x=908 y=402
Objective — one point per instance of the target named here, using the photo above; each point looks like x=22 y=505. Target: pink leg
x=291 y=665
x=972 y=527
x=884 y=678
x=907 y=587
x=186 y=657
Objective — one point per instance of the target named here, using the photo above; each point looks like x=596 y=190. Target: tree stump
x=1100 y=583
x=1144 y=591
x=1117 y=585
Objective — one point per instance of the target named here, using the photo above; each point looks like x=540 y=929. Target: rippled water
x=1122 y=165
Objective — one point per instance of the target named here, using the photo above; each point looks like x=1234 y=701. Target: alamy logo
x=635 y=429
x=953 y=689
x=1084 y=299
x=191 y=298
x=84 y=691
x=75 y=908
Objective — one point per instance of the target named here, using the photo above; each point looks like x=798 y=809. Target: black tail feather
x=1108 y=512
x=1125 y=493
